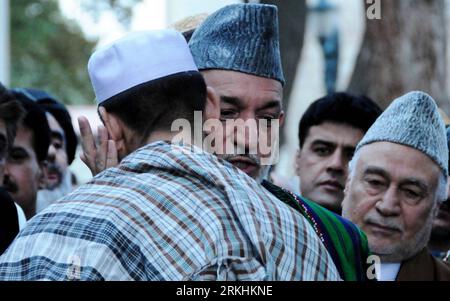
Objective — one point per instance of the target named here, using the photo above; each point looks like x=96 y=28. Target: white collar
x=388 y=271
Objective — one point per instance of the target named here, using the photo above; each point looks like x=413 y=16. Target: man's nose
x=6 y=170
x=246 y=135
x=389 y=204
x=51 y=153
x=336 y=162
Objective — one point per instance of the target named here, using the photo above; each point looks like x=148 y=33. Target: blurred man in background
x=61 y=152
x=12 y=218
x=24 y=169
x=329 y=131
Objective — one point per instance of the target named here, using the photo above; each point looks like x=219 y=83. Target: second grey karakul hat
x=412 y=120
x=240 y=37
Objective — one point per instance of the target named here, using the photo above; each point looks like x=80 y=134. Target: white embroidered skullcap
x=138 y=58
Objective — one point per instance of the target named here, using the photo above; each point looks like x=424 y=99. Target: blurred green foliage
x=49 y=52
x=122 y=9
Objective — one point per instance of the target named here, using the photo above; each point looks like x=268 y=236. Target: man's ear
x=115 y=128
x=282 y=118
x=297 y=162
x=212 y=106
x=112 y=123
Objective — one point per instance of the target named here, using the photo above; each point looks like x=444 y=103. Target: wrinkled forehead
x=335 y=133
x=248 y=87
x=397 y=161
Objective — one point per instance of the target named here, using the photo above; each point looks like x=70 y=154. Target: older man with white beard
x=440 y=235
x=398 y=177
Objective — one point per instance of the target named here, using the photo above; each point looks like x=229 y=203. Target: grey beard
x=408 y=250
x=264 y=170
x=46 y=197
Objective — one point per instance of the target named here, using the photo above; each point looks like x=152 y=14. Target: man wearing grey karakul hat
x=237 y=50
x=397 y=178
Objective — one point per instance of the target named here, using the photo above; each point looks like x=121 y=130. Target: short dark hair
x=356 y=111
x=60 y=113
x=156 y=104
x=11 y=112
x=62 y=116
x=188 y=34
x=36 y=121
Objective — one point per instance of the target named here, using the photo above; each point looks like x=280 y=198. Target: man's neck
x=174 y=137
x=160 y=136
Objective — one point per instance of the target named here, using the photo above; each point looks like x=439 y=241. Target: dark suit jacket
x=9 y=224
x=424 y=267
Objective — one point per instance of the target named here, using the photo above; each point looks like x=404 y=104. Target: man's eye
x=57 y=145
x=412 y=195
x=374 y=185
x=269 y=118
x=17 y=156
x=322 y=151
x=228 y=114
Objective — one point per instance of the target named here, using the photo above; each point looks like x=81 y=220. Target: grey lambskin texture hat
x=240 y=37
x=412 y=120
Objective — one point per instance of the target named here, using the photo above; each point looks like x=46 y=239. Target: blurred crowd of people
x=164 y=204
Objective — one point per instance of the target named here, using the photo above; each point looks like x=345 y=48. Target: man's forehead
x=24 y=137
x=397 y=159
x=243 y=86
x=229 y=77
x=336 y=133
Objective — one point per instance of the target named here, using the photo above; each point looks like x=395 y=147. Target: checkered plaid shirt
x=168 y=213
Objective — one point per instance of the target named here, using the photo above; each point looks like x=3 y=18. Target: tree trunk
x=292 y=20
x=403 y=51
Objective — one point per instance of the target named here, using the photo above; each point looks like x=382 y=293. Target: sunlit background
x=46 y=44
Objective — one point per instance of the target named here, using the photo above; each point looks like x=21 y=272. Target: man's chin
x=53 y=185
x=14 y=195
x=333 y=203
x=249 y=169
